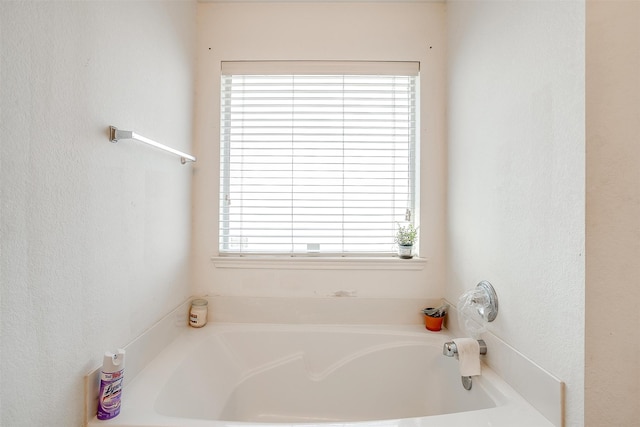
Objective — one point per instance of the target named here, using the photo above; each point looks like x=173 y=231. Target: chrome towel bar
x=116 y=134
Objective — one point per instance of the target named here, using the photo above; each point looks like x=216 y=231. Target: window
x=316 y=157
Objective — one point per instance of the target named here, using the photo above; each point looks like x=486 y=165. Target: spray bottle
x=111 y=378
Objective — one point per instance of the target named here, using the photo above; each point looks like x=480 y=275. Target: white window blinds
x=316 y=161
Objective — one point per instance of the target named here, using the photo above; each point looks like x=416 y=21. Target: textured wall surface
x=95 y=236
x=612 y=375
x=321 y=31
x=516 y=188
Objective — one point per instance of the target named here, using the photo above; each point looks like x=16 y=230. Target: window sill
x=319 y=263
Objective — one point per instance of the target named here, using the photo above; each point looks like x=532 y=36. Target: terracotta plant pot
x=433 y=323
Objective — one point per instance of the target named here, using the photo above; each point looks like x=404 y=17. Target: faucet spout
x=451 y=350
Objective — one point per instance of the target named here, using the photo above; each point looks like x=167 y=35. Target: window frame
x=326 y=67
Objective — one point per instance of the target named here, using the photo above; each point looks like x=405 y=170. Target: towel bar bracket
x=116 y=134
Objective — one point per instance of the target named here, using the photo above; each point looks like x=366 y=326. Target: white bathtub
x=231 y=374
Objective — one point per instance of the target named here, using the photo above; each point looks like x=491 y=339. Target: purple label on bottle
x=110 y=394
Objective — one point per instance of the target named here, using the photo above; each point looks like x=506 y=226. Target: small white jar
x=198 y=313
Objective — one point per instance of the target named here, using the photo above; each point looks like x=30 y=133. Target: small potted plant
x=433 y=317
x=405 y=238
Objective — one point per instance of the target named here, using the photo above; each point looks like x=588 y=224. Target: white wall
x=95 y=236
x=320 y=31
x=612 y=376
x=516 y=181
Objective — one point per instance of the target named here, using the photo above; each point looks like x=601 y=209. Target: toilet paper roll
x=468 y=356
